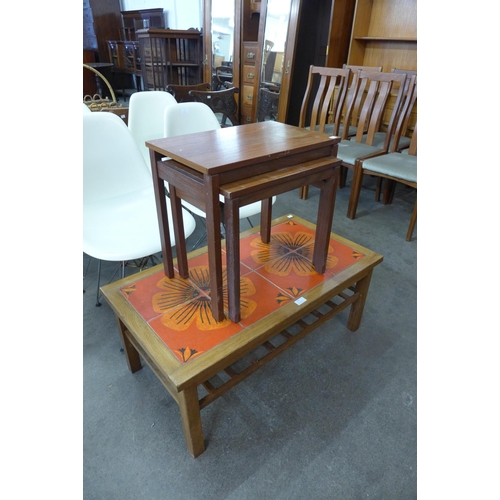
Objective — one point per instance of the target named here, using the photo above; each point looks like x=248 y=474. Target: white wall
x=179 y=14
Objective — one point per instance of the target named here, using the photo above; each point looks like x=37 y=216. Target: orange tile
x=292 y=274
x=259 y=298
x=340 y=256
x=151 y=295
x=190 y=329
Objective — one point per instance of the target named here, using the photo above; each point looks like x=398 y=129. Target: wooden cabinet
x=101 y=22
x=317 y=32
x=384 y=33
x=133 y=20
x=249 y=78
x=170 y=57
x=255 y=6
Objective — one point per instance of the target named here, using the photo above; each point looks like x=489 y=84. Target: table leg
x=161 y=209
x=191 y=420
x=324 y=222
x=214 y=245
x=180 y=239
x=232 y=219
x=265 y=220
x=131 y=354
x=357 y=307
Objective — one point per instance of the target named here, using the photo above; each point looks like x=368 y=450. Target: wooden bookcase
x=384 y=33
x=170 y=57
x=133 y=20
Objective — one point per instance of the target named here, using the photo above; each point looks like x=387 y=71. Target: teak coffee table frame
x=289 y=324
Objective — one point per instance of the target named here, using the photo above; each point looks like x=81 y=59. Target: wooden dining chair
x=393 y=168
x=323 y=103
x=223 y=77
x=181 y=92
x=355 y=92
x=324 y=99
x=376 y=88
x=410 y=96
x=267 y=105
x=220 y=102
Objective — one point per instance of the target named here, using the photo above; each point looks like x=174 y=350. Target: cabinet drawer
x=249 y=74
x=247 y=96
x=246 y=114
x=249 y=52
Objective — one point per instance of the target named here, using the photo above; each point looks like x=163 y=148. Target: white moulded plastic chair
x=145 y=117
x=190 y=118
x=120 y=220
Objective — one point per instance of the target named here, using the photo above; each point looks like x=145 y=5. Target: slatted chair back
x=407 y=105
x=356 y=93
x=330 y=86
x=376 y=88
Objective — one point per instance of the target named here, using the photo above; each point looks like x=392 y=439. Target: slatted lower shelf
x=270 y=349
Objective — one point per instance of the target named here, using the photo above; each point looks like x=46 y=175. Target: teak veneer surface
x=237 y=147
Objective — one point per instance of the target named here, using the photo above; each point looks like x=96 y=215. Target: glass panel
x=222 y=40
x=276 y=31
x=273 y=54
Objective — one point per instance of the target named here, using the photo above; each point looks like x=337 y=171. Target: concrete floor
x=334 y=417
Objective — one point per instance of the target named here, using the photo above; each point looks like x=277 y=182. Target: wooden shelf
x=385 y=39
x=384 y=33
x=170 y=57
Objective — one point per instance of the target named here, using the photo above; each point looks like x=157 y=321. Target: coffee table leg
x=232 y=219
x=191 y=420
x=161 y=209
x=357 y=307
x=214 y=245
x=131 y=354
x=324 y=222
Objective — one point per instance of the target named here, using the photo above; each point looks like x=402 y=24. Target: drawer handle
x=250 y=55
x=250 y=75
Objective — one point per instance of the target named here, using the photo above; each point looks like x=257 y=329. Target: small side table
x=244 y=164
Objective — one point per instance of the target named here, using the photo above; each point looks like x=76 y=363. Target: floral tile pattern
x=179 y=310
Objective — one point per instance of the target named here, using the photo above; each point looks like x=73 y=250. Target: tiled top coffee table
x=168 y=322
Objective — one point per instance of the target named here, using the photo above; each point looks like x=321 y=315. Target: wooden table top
x=178 y=376
x=231 y=148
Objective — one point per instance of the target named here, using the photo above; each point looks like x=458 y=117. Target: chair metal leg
x=199 y=240
x=86 y=270
x=98 y=304
x=203 y=236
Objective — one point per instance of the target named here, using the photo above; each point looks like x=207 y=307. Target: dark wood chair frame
x=220 y=101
